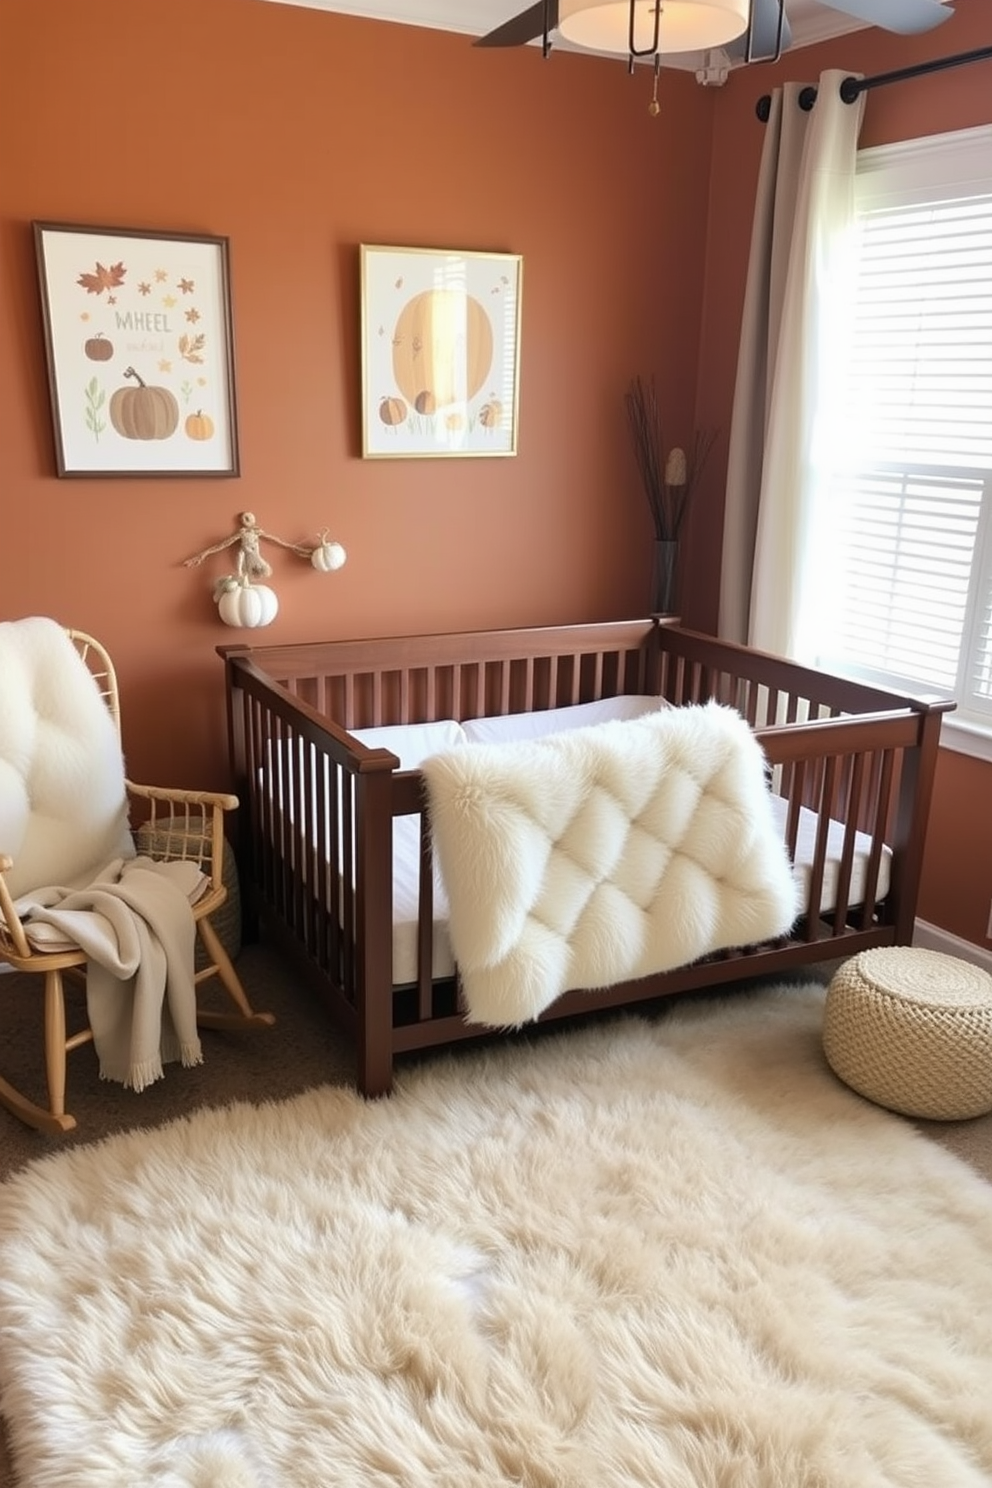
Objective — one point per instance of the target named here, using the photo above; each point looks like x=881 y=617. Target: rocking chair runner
x=167 y=825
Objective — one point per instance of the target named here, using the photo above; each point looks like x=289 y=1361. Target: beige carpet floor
x=302 y=1051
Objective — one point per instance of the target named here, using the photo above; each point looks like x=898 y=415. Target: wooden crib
x=852 y=766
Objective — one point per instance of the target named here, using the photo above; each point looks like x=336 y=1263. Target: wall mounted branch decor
x=241 y=600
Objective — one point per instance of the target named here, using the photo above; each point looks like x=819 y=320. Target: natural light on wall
x=906 y=510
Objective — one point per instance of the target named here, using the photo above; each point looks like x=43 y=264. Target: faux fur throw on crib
x=604 y=854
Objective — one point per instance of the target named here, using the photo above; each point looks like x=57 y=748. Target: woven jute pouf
x=912 y=1030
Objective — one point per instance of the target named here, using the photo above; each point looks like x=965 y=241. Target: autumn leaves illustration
x=139 y=351
x=140 y=409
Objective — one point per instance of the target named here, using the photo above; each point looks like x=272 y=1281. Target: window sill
x=964 y=737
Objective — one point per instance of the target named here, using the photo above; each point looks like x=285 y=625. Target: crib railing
x=420 y=679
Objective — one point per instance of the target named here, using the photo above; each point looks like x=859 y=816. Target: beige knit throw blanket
x=604 y=854
x=135 y=924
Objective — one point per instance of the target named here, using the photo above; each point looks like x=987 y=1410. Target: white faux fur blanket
x=135 y=924
x=604 y=854
x=63 y=806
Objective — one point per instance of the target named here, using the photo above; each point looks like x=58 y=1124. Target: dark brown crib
x=852 y=764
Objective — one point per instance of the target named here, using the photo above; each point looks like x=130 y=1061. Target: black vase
x=664 y=584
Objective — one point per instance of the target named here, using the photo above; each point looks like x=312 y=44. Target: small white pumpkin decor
x=327 y=556
x=247 y=606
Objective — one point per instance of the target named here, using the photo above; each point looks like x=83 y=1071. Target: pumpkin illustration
x=392 y=411
x=442 y=348
x=327 y=556
x=248 y=606
x=491 y=414
x=143 y=412
x=98 y=348
x=199 y=426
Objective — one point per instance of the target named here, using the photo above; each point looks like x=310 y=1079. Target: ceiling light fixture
x=644 y=28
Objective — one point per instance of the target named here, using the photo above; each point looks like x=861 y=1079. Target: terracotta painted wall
x=957 y=885
x=299 y=135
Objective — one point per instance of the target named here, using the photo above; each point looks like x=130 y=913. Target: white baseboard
x=932 y=938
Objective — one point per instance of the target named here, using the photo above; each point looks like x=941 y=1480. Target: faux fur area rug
x=674 y=1252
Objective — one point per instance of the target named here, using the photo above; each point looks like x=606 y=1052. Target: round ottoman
x=912 y=1030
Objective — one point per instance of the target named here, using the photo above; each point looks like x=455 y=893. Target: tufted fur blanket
x=63 y=810
x=604 y=854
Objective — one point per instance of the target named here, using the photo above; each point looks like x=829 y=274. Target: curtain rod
x=852 y=87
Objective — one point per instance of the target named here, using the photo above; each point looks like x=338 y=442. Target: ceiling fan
x=745 y=30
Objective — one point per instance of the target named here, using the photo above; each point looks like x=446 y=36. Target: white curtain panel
x=792 y=327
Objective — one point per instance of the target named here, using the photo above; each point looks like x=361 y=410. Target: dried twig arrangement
x=669 y=477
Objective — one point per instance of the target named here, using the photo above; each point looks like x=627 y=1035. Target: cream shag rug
x=673 y=1254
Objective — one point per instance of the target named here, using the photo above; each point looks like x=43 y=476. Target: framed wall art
x=440 y=351
x=140 y=352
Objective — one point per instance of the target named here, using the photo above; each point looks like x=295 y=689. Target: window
x=906 y=496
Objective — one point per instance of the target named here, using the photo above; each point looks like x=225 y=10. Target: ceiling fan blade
x=905 y=17
x=519 y=29
x=764 y=33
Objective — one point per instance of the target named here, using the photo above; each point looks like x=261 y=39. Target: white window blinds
x=910 y=485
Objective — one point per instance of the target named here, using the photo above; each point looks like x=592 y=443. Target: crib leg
x=375 y=1060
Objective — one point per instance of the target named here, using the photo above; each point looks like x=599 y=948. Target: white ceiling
x=810 y=20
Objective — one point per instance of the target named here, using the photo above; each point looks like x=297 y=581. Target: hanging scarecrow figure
x=250 y=564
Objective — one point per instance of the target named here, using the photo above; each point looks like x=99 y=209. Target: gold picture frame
x=140 y=353
x=440 y=352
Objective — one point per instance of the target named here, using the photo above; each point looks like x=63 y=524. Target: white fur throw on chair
x=63 y=808
x=604 y=854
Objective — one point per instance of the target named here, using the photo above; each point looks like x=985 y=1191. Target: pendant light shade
x=684 y=26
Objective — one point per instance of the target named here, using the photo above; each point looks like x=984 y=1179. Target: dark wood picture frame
x=140 y=350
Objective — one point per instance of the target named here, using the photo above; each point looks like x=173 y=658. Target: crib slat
x=552 y=681
x=425 y=925
x=598 y=675
x=825 y=804
x=878 y=834
x=794 y=797
x=502 y=669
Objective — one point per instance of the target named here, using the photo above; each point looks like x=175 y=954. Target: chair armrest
x=189 y=829
x=12 y=936
x=220 y=799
